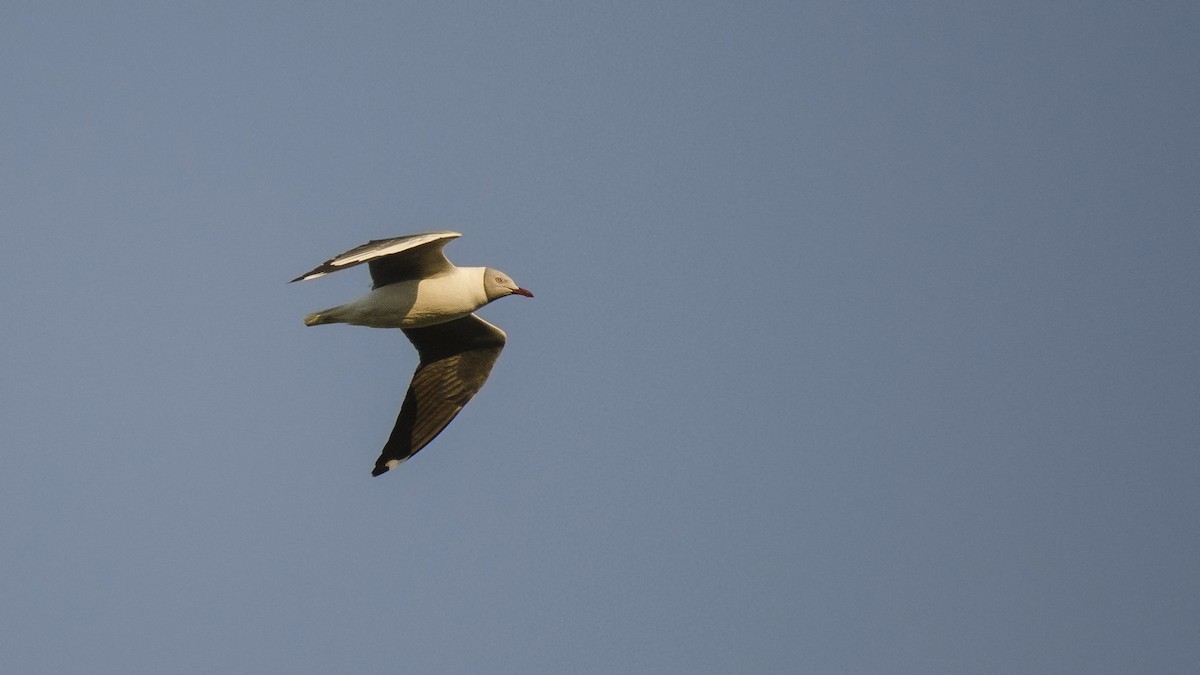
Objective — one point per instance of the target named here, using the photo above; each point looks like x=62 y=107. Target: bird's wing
x=415 y=256
x=456 y=358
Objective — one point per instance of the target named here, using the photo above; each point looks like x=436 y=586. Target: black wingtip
x=307 y=275
x=379 y=470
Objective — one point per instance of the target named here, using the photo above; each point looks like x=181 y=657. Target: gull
x=416 y=289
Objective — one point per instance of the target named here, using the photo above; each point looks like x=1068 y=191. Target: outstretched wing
x=456 y=358
x=410 y=257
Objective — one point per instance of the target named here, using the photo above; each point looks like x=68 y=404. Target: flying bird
x=416 y=289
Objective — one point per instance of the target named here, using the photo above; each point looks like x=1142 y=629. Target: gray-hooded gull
x=416 y=289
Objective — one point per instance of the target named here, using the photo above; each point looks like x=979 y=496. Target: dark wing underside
x=456 y=358
x=414 y=256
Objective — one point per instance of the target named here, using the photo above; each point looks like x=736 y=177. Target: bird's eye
x=499 y=280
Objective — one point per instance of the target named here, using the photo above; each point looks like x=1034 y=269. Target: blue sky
x=864 y=338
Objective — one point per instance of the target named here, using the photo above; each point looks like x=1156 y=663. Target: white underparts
x=415 y=303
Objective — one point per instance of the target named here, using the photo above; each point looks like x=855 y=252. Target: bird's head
x=497 y=284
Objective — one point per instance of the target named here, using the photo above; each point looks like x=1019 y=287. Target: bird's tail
x=318 y=318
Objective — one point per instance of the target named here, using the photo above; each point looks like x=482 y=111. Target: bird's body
x=417 y=290
x=413 y=303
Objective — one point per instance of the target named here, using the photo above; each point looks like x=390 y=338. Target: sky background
x=865 y=337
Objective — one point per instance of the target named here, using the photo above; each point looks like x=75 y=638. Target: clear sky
x=865 y=337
